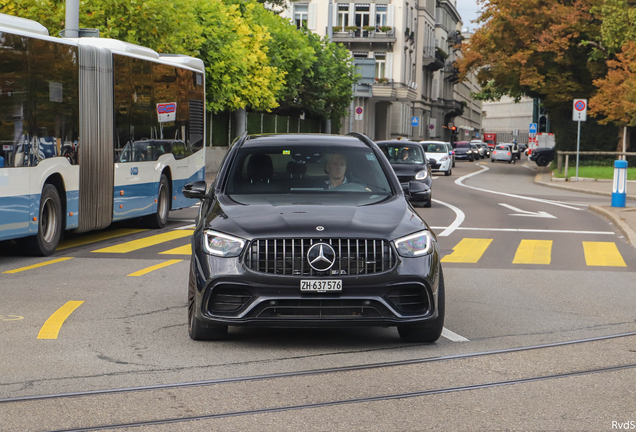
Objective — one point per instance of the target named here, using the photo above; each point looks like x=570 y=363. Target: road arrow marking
x=520 y=212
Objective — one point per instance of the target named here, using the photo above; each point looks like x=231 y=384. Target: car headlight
x=421 y=175
x=222 y=245
x=444 y=158
x=414 y=245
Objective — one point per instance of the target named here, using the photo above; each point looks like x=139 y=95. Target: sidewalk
x=623 y=218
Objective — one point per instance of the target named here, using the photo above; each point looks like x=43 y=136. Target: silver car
x=502 y=152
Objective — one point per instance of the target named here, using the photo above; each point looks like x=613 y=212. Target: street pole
x=330 y=36
x=578 y=141
x=72 y=19
x=624 y=142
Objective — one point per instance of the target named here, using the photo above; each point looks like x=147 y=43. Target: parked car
x=438 y=151
x=463 y=150
x=542 y=156
x=283 y=240
x=503 y=152
x=412 y=167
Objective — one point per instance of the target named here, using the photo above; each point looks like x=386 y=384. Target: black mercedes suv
x=311 y=231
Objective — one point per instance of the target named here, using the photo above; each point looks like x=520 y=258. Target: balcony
x=364 y=36
x=451 y=73
x=392 y=90
x=432 y=59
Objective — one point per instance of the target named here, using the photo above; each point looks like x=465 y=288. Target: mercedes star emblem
x=321 y=257
x=320 y=228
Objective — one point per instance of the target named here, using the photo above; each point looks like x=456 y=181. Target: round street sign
x=359 y=110
x=431 y=127
x=579 y=105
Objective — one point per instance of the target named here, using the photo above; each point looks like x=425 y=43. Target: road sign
x=533 y=128
x=415 y=121
x=359 y=113
x=579 y=111
x=476 y=134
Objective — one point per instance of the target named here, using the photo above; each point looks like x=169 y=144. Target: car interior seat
x=260 y=168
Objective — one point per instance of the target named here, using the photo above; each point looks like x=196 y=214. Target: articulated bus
x=92 y=131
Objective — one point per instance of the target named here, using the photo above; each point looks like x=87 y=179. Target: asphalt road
x=524 y=266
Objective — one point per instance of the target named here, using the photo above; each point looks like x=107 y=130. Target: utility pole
x=330 y=36
x=71 y=29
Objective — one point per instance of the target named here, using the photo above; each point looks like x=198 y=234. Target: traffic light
x=453 y=130
x=543 y=123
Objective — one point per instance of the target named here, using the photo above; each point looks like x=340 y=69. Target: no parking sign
x=359 y=113
x=579 y=111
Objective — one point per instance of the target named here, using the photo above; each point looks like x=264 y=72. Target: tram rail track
x=477 y=376
x=312 y=371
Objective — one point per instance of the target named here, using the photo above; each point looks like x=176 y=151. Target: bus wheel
x=45 y=241
x=160 y=219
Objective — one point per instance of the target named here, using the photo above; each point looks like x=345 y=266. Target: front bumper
x=404 y=294
x=443 y=166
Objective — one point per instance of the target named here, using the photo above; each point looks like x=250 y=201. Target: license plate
x=320 y=285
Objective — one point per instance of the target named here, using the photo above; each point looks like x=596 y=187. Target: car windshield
x=435 y=148
x=403 y=153
x=462 y=145
x=321 y=175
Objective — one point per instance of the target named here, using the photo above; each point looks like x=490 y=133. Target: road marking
x=484 y=169
x=459 y=219
x=533 y=252
x=520 y=212
x=468 y=250
x=186 y=227
x=181 y=250
x=97 y=237
x=602 y=254
x=155 y=267
x=52 y=326
x=453 y=336
x=21 y=269
x=11 y=317
x=146 y=242
x=530 y=230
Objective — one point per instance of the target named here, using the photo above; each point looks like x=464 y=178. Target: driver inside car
x=336 y=168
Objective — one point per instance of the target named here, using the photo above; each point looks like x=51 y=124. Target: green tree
x=168 y=27
x=234 y=50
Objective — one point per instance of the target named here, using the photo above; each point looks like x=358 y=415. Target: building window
x=380 y=15
x=362 y=15
x=301 y=15
x=343 y=16
x=360 y=54
x=380 y=65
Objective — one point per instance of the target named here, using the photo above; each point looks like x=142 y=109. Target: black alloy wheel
x=429 y=331
x=49 y=233
x=198 y=330
x=543 y=160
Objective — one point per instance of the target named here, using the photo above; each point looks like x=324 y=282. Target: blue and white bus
x=92 y=131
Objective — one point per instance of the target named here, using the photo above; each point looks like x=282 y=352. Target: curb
x=587 y=191
x=620 y=223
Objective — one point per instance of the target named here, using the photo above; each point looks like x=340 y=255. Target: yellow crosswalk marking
x=534 y=252
x=155 y=267
x=52 y=326
x=469 y=250
x=45 y=263
x=146 y=242
x=182 y=250
x=603 y=254
x=94 y=238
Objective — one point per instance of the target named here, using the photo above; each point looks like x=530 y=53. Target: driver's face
x=337 y=166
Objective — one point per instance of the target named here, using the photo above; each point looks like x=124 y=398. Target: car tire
x=49 y=233
x=160 y=218
x=543 y=161
x=453 y=163
x=198 y=330
x=470 y=159
x=449 y=172
x=492 y=160
x=430 y=331
x=428 y=203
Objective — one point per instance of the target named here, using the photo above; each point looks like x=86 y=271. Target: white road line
x=456 y=223
x=186 y=227
x=484 y=169
x=528 y=230
x=453 y=336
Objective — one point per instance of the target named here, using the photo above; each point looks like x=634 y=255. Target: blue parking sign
x=415 y=121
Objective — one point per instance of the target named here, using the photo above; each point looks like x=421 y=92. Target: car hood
x=407 y=169
x=390 y=219
x=461 y=150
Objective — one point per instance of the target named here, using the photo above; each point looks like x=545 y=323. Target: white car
x=503 y=152
x=438 y=151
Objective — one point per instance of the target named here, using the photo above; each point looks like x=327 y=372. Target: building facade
x=469 y=123
x=407 y=47
x=508 y=119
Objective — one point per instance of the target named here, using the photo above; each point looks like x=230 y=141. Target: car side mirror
x=194 y=190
